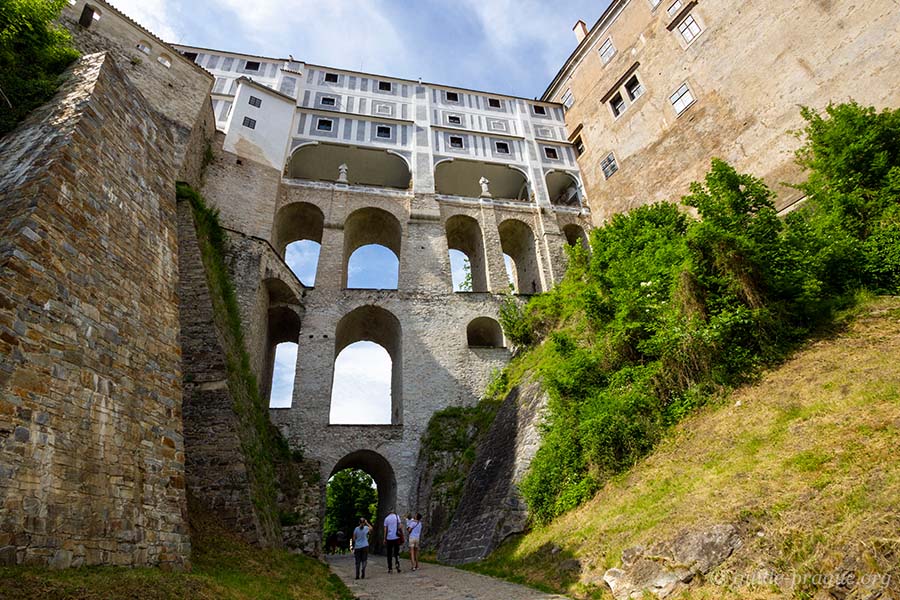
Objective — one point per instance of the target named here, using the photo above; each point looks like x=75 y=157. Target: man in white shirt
x=393 y=538
x=360 y=544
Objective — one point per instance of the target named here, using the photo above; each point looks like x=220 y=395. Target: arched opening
x=517 y=241
x=378 y=326
x=382 y=474
x=297 y=236
x=563 y=189
x=464 y=236
x=576 y=235
x=349 y=494
x=373 y=267
x=361 y=386
x=484 y=332
x=462 y=178
x=283 y=330
x=367 y=227
x=510 y=267
x=363 y=166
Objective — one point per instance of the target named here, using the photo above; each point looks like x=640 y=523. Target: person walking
x=393 y=536
x=414 y=529
x=360 y=543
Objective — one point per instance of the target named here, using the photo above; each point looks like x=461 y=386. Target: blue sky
x=504 y=46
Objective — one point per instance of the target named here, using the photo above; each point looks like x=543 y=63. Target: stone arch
x=365 y=166
x=575 y=234
x=484 y=332
x=563 y=188
x=374 y=324
x=458 y=177
x=283 y=325
x=296 y=222
x=378 y=467
x=517 y=241
x=367 y=226
x=464 y=234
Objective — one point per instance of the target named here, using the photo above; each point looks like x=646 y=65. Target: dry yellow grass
x=806 y=463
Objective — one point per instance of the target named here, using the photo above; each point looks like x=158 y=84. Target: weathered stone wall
x=491 y=508
x=91 y=446
x=750 y=70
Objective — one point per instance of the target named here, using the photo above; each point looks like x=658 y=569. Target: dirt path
x=430 y=582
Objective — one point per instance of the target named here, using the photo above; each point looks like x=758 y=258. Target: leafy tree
x=350 y=494
x=466 y=284
x=34 y=51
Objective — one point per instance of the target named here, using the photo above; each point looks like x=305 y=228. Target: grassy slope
x=224 y=568
x=804 y=461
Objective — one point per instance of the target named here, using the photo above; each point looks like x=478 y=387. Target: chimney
x=580 y=30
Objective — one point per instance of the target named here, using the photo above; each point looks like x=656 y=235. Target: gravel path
x=430 y=582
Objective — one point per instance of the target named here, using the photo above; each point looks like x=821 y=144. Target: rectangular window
x=143 y=47
x=551 y=153
x=607 y=51
x=654 y=4
x=568 y=99
x=682 y=99
x=689 y=29
x=634 y=88
x=325 y=125
x=250 y=123
x=452 y=97
x=331 y=77
x=328 y=101
x=87 y=17
x=456 y=141
x=539 y=110
x=383 y=131
x=385 y=86
x=494 y=103
x=454 y=119
x=501 y=147
x=251 y=65
x=164 y=61
x=254 y=101
x=674 y=8
x=617 y=103
x=609 y=166
x=578 y=144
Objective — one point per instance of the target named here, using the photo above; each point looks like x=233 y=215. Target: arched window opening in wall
x=510 y=268
x=282 y=388
x=464 y=239
x=517 y=241
x=460 y=271
x=363 y=166
x=563 y=189
x=374 y=268
x=363 y=464
x=367 y=382
x=297 y=236
x=484 y=332
x=576 y=235
x=361 y=389
x=463 y=178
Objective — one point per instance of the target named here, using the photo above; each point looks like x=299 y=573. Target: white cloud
x=361 y=393
x=159 y=16
x=303 y=258
x=283 y=375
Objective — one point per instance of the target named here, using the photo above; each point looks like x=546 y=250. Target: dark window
x=452 y=97
x=331 y=77
x=578 y=144
x=609 y=165
x=454 y=120
x=383 y=131
x=248 y=122
x=325 y=125
x=87 y=16
x=254 y=101
x=456 y=141
x=251 y=65
x=385 y=86
x=191 y=56
x=617 y=103
x=328 y=101
x=502 y=147
x=539 y=110
x=634 y=88
x=494 y=103
x=551 y=153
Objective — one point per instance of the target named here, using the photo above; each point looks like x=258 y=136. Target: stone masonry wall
x=91 y=446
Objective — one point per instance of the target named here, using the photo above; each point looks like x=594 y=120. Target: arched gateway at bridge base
x=379 y=469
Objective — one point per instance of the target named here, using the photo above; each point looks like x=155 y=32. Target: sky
x=504 y=46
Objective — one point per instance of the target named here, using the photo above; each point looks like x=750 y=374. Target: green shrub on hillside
x=33 y=53
x=669 y=309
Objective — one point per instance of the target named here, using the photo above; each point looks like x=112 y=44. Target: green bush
x=33 y=53
x=669 y=310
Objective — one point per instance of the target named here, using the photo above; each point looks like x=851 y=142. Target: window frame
x=684 y=26
x=247 y=64
x=380 y=128
x=389 y=84
x=606 y=163
x=249 y=123
x=255 y=101
x=539 y=110
x=678 y=92
x=492 y=101
x=618 y=108
x=548 y=150
x=328 y=75
x=498 y=144
x=322 y=120
x=568 y=99
x=322 y=100
x=578 y=146
x=449 y=99
x=458 y=120
x=673 y=9
x=640 y=89
x=603 y=54
x=460 y=146
x=144 y=47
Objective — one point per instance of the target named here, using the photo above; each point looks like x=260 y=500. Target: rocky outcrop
x=492 y=508
x=666 y=567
